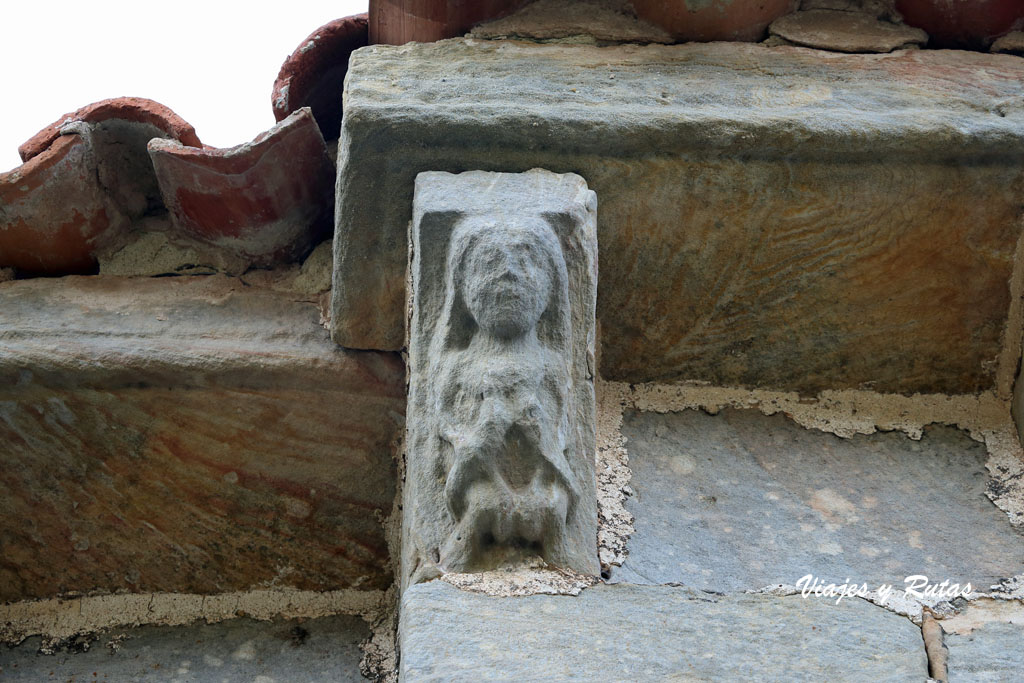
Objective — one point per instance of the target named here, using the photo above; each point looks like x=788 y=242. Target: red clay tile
x=963 y=23
x=54 y=213
x=399 y=22
x=269 y=200
x=313 y=76
x=133 y=109
x=396 y=22
x=708 y=20
x=86 y=177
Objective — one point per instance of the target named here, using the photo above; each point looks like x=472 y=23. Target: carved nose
x=508 y=275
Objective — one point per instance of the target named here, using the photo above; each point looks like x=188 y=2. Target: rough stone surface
x=620 y=633
x=1012 y=43
x=155 y=247
x=741 y=501
x=600 y=20
x=991 y=652
x=501 y=435
x=269 y=200
x=314 y=75
x=756 y=204
x=845 y=32
x=240 y=650
x=188 y=435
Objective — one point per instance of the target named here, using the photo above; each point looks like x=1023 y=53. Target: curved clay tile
x=313 y=76
x=268 y=201
x=86 y=177
x=963 y=23
x=713 y=19
x=131 y=109
x=396 y=22
x=54 y=213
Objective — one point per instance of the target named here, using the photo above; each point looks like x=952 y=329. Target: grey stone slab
x=740 y=501
x=650 y=633
x=992 y=652
x=501 y=384
x=240 y=650
x=749 y=196
x=845 y=31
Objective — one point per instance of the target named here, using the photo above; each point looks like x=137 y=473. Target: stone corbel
x=501 y=432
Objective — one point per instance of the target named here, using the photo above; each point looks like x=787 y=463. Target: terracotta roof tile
x=269 y=200
x=314 y=74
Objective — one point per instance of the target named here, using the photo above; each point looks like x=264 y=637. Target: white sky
x=213 y=63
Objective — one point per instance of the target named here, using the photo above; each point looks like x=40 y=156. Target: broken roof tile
x=54 y=213
x=269 y=200
x=314 y=74
x=133 y=109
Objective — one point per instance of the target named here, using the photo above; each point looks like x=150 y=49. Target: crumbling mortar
x=380 y=651
x=1010 y=354
x=62 y=618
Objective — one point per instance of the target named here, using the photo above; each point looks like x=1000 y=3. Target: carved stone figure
x=501 y=444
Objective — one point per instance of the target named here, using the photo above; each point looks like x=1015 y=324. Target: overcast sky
x=214 y=63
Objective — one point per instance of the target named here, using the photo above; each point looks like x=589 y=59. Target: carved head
x=506 y=273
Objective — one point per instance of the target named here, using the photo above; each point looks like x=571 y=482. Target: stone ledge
x=626 y=632
x=188 y=435
x=771 y=217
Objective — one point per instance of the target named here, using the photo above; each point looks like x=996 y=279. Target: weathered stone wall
x=188 y=435
x=771 y=217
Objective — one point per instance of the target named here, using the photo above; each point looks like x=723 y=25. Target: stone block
x=983 y=641
x=501 y=435
x=772 y=217
x=238 y=650
x=651 y=633
x=188 y=435
x=845 y=31
x=741 y=501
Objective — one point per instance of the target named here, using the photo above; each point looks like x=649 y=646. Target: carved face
x=508 y=278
